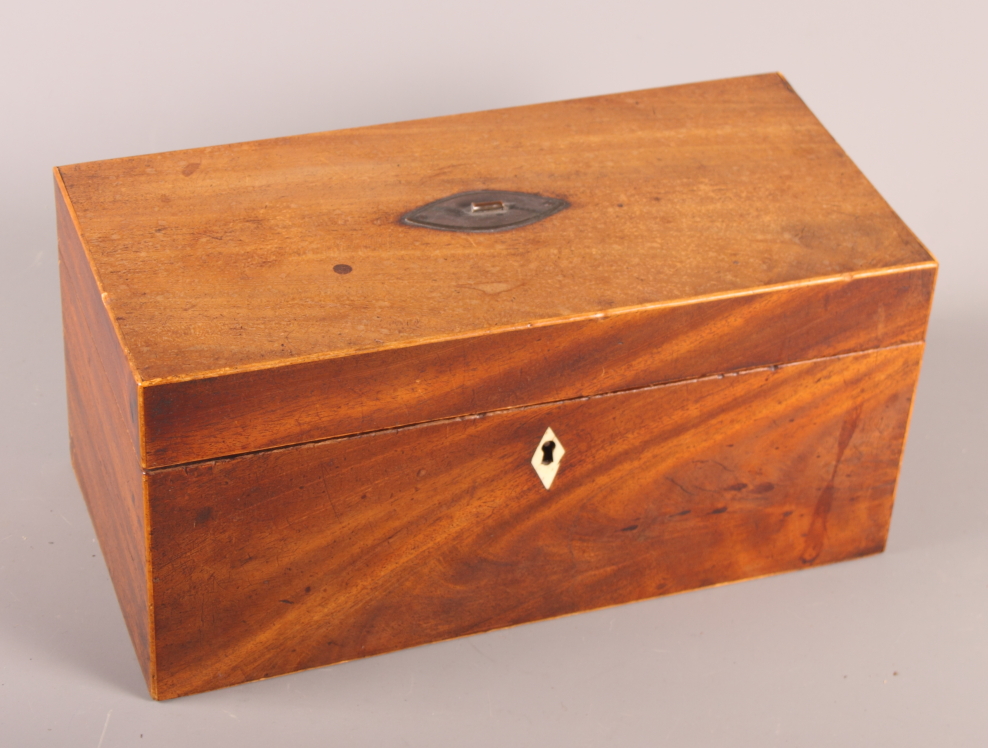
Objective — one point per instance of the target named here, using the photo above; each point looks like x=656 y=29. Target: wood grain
x=221 y=259
x=101 y=439
x=294 y=558
x=245 y=411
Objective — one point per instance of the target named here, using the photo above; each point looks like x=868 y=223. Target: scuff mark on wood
x=818 y=525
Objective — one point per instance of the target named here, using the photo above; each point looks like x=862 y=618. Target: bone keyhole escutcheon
x=547 y=456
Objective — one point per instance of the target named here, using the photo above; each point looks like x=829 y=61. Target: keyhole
x=547 y=452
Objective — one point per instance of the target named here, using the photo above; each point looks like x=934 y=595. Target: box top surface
x=222 y=259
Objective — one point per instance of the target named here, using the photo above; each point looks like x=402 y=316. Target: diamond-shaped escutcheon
x=547 y=456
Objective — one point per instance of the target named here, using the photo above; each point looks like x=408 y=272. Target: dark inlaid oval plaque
x=484 y=211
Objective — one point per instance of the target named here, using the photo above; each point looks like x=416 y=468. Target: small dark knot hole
x=547 y=449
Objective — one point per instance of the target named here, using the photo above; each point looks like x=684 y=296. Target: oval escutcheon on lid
x=484 y=211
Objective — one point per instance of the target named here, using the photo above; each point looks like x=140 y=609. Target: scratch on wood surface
x=818 y=525
x=105 y=725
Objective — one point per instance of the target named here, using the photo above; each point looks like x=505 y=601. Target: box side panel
x=290 y=559
x=103 y=454
x=243 y=412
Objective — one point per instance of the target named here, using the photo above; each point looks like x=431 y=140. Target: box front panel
x=294 y=558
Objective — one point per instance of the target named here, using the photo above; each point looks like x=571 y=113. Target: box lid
x=268 y=293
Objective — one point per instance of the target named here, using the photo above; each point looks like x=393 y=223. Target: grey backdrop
x=889 y=650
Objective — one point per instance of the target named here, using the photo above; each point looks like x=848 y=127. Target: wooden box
x=313 y=423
